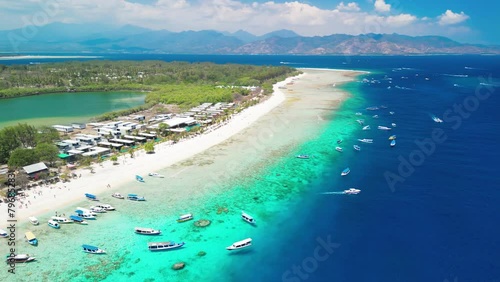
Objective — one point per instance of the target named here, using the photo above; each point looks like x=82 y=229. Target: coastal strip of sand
x=108 y=177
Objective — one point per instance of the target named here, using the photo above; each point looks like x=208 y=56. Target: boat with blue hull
x=54 y=224
x=91 y=197
x=134 y=197
x=393 y=143
x=85 y=214
x=139 y=178
x=30 y=238
x=77 y=219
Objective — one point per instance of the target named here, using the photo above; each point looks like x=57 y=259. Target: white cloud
x=381 y=6
x=449 y=17
x=230 y=15
x=400 y=20
x=352 y=6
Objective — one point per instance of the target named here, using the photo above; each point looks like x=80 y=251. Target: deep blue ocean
x=429 y=207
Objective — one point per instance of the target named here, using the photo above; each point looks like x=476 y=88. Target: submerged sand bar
x=290 y=106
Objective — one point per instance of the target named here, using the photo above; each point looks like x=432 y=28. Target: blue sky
x=462 y=20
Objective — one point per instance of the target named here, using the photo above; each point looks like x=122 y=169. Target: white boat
x=393 y=124
x=392 y=137
x=436 y=119
x=352 y=191
x=3 y=233
x=154 y=174
x=361 y=121
x=366 y=127
x=147 y=231
x=185 y=217
x=357 y=148
x=372 y=108
x=54 y=224
x=163 y=246
x=240 y=244
x=383 y=127
x=359 y=114
x=61 y=220
x=84 y=213
x=33 y=220
x=134 y=197
x=97 y=209
x=375 y=116
x=93 y=250
x=339 y=141
x=366 y=140
x=87 y=211
x=248 y=218
x=391 y=113
x=20 y=258
x=339 y=149
x=302 y=156
x=117 y=195
x=345 y=172
x=393 y=143
x=106 y=207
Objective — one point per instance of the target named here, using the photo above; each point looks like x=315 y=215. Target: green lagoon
x=64 y=108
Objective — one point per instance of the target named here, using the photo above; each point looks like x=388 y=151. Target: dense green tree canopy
x=47 y=152
x=22 y=157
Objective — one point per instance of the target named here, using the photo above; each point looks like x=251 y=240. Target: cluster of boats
x=131 y=197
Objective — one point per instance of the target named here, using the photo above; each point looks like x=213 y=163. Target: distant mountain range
x=74 y=38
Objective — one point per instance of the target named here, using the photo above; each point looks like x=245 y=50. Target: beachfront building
x=96 y=151
x=138 y=117
x=110 y=145
x=135 y=138
x=63 y=128
x=35 y=169
x=78 y=125
x=125 y=142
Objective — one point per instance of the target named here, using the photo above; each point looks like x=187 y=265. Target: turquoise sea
x=436 y=220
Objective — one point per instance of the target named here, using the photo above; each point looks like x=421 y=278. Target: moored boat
x=93 y=250
x=146 y=231
x=185 y=217
x=97 y=209
x=106 y=207
x=163 y=246
x=248 y=218
x=139 y=178
x=3 y=233
x=361 y=121
x=393 y=143
x=85 y=214
x=78 y=219
x=54 y=224
x=154 y=174
x=33 y=220
x=302 y=156
x=134 y=197
x=436 y=119
x=91 y=197
x=339 y=141
x=339 y=149
x=352 y=191
x=357 y=148
x=84 y=210
x=366 y=140
x=392 y=137
x=30 y=238
x=366 y=127
x=61 y=220
x=393 y=124
x=375 y=116
x=391 y=113
x=240 y=244
x=345 y=172
x=118 y=195
x=383 y=127
x=20 y=258
x=359 y=114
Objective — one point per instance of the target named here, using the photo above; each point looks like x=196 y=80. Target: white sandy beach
x=45 y=199
x=63 y=194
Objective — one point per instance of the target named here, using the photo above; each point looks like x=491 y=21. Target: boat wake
x=332 y=193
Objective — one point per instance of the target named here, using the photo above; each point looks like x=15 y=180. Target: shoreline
x=109 y=173
x=65 y=194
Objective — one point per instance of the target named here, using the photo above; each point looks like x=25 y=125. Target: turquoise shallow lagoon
x=64 y=108
x=255 y=171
